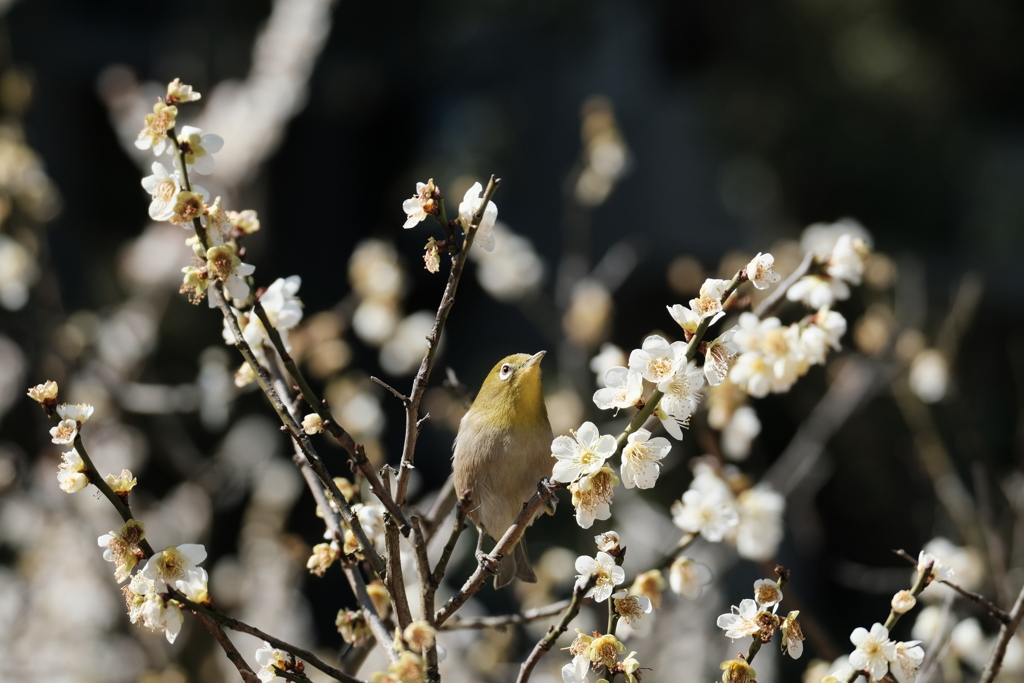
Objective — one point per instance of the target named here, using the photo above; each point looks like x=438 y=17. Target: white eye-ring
x=506 y=371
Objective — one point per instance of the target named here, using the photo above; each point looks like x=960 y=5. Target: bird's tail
x=516 y=565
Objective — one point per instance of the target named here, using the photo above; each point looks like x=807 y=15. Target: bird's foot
x=487 y=563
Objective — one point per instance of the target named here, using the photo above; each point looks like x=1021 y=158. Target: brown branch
x=242 y=627
x=1000 y=615
x=439 y=508
x=230 y=651
x=503 y=621
x=355 y=451
x=769 y=304
x=488 y=564
x=1006 y=631
x=293 y=428
x=397 y=394
x=419 y=384
x=465 y=500
x=394 y=580
x=548 y=641
x=377 y=626
x=428 y=589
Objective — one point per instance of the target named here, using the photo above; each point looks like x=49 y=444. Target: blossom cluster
x=841 y=250
x=750 y=519
x=757 y=618
x=177 y=200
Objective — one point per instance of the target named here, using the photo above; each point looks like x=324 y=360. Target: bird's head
x=513 y=391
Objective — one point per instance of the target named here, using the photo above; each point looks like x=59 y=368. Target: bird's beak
x=534 y=359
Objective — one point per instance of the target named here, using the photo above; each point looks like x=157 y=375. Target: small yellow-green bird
x=501 y=453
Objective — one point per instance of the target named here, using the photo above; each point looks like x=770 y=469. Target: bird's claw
x=487 y=563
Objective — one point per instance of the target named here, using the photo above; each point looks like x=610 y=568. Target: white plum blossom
x=199 y=149
x=79 y=412
x=153 y=610
x=641 y=459
x=512 y=270
x=577 y=671
x=874 y=651
x=967 y=564
x=688 y=577
x=940 y=571
x=164 y=187
x=792 y=636
x=71 y=473
x=718 y=358
x=709 y=303
x=592 y=496
x=909 y=657
x=681 y=394
x=420 y=205
x=767 y=593
x=281 y=302
x=741 y=621
x=847 y=259
x=176 y=566
x=583 y=453
x=711 y=513
x=608 y=574
x=469 y=206
x=631 y=607
x=657 y=360
x=268 y=658
x=64 y=433
x=760 y=271
x=687 y=318
x=622 y=389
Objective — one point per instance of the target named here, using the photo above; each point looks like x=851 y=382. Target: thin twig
x=242 y=627
x=465 y=500
x=376 y=623
x=395 y=579
x=503 y=621
x=355 y=451
x=230 y=651
x=293 y=428
x=1000 y=615
x=776 y=296
x=428 y=590
x=397 y=394
x=419 y=384
x=488 y=564
x=548 y=641
x=439 y=508
x=1006 y=631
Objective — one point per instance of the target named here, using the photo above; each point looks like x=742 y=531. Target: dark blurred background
x=744 y=121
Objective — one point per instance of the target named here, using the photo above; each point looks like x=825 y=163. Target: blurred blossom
x=128 y=335
x=375 y=321
x=686 y=275
x=402 y=354
x=872 y=331
x=929 y=375
x=927 y=624
x=357 y=409
x=18 y=272
x=374 y=270
x=610 y=356
x=565 y=410
x=760 y=523
x=967 y=641
x=216 y=388
x=967 y=565
x=740 y=432
x=605 y=156
x=588 y=319
x=12 y=373
x=154 y=257
x=512 y=270
x=821 y=238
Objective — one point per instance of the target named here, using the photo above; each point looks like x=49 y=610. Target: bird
x=501 y=453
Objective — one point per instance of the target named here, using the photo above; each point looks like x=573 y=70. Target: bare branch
x=419 y=384
x=465 y=500
x=397 y=394
x=1006 y=631
x=504 y=546
x=503 y=621
x=230 y=651
x=991 y=608
x=548 y=641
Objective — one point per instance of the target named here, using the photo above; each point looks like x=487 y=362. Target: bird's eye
x=506 y=371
